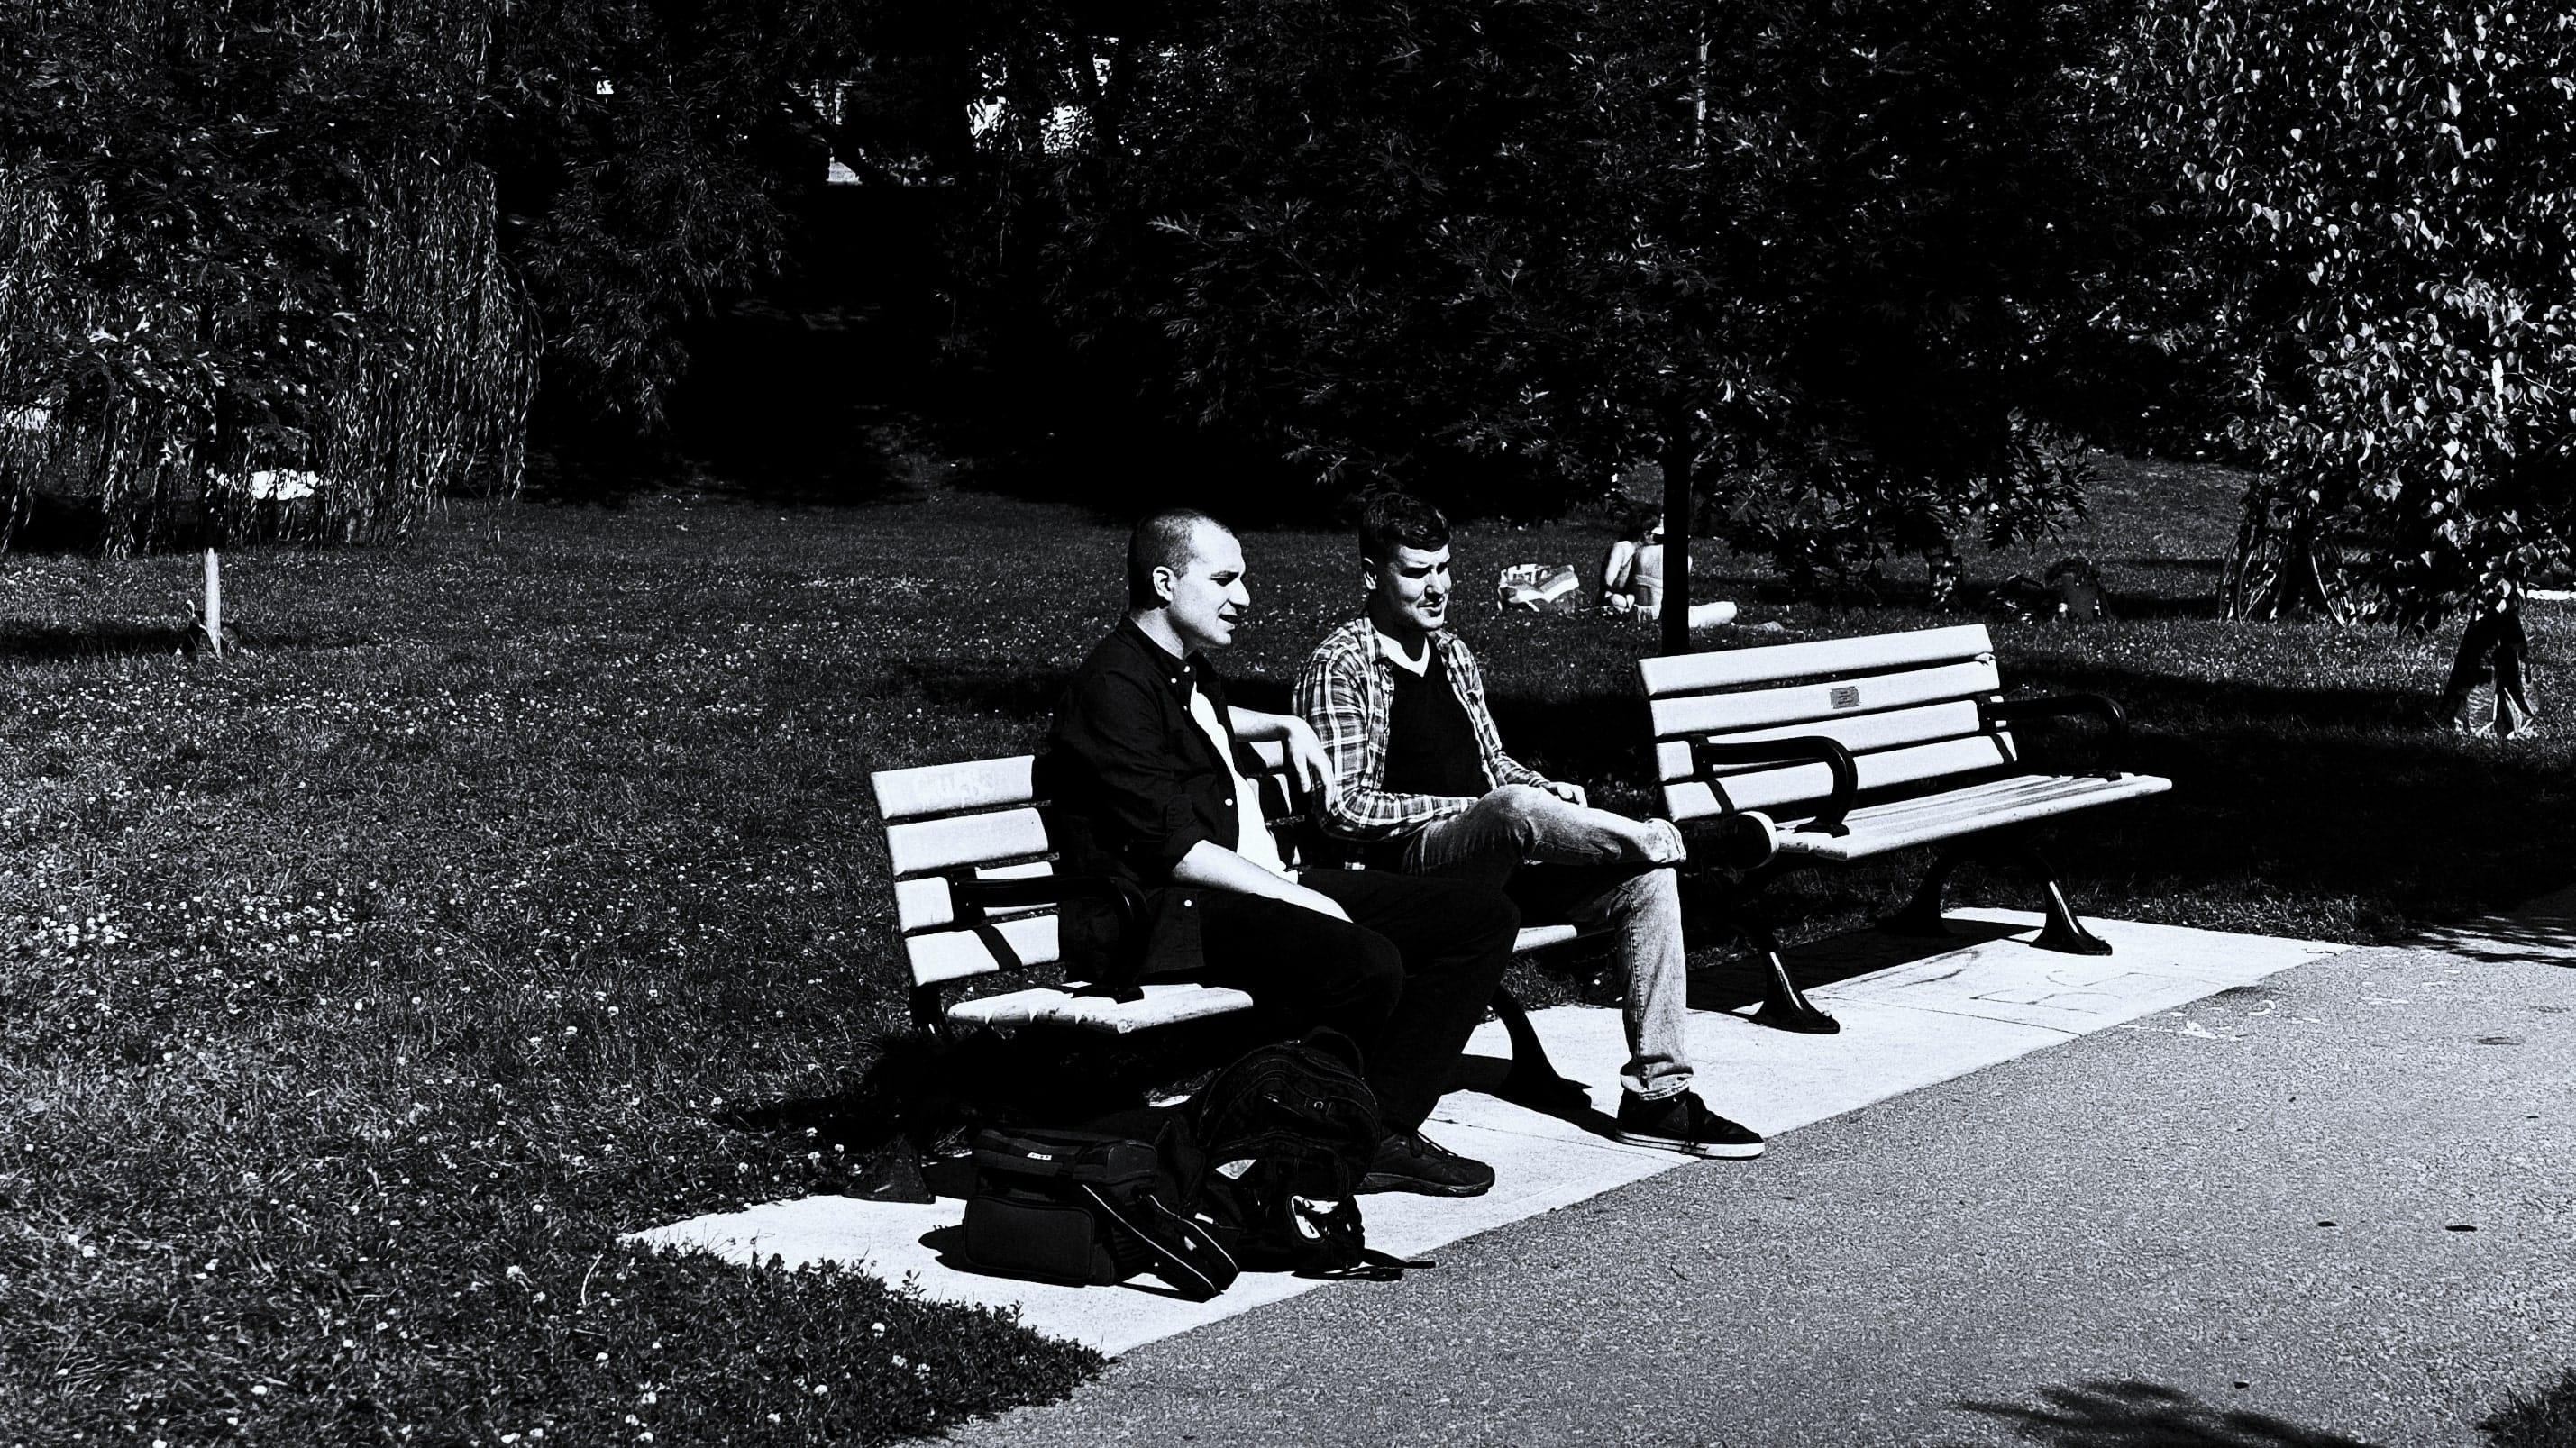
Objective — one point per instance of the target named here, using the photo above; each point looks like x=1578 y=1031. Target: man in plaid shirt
x=1424 y=787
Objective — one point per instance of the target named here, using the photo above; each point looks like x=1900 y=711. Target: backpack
x=1285 y=1134
x=1093 y=1205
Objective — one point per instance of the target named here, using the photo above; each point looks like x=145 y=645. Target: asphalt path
x=2332 y=1208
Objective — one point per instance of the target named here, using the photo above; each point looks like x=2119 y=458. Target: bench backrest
x=981 y=818
x=1904 y=704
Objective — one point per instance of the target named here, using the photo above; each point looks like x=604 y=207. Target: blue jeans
x=1588 y=867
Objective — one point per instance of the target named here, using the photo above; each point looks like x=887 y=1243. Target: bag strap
x=1373 y=1266
x=1196 y=1280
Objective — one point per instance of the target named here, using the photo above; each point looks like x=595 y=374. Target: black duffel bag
x=1092 y=1206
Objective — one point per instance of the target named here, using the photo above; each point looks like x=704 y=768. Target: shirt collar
x=1393 y=652
x=1178 y=674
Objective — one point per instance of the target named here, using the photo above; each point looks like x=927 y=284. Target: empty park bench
x=976 y=893
x=1847 y=749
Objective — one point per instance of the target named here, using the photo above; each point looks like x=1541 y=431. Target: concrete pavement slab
x=2330 y=1208
x=1943 y=1009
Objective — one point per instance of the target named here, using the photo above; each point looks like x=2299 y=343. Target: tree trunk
x=1680 y=451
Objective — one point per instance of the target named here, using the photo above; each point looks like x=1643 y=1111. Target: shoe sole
x=1379 y=1182
x=1731 y=1151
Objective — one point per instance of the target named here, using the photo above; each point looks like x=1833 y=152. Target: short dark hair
x=1393 y=520
x=1164 y=539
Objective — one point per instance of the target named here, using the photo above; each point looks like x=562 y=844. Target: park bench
x=976 y=894
x=1848 y=749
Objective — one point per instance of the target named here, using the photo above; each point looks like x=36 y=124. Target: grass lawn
x=357 y=994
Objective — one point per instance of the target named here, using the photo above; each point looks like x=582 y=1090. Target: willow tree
x=251 y=284
x=2384 y=245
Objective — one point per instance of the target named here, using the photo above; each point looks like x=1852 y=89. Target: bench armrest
x=977 y=896
x=2101 y=706
x=973 y=897
x=1708 y=754
x=1739 y=840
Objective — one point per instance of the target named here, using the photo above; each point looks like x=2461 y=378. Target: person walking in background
x=1152 y=783
x=1421 y=786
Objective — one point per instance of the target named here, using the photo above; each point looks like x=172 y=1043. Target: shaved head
x=1167 y=539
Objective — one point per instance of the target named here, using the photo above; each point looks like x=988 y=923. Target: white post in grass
x=211 y=617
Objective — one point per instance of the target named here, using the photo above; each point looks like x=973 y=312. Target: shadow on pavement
x=2143 y=1415
x=2545 y=1418
x=2543 y=938
x=1736 y=982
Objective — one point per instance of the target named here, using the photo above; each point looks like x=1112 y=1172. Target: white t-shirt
x=1394 y=653
x=1252 y=833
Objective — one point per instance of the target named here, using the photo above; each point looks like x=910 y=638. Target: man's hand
x=1306 y=756
x=1570 y=793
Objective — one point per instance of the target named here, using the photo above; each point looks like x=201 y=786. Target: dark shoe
x=1682 y=1122
x=1412 y=1162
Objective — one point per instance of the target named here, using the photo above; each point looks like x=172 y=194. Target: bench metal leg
x=2063 y=932
x=1921 y=915
x=1784 y=1006
x=930 y=1012
x=1533 y=1081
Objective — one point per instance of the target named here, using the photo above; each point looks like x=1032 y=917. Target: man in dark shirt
x=1421 y=785
x=1151 y=781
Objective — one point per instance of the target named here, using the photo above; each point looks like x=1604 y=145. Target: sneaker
x=1682 y=1122
x=1409 y=1161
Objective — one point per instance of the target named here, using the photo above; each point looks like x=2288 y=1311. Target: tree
x=298 y=267
x=251 y=284
x=1498 y=252
x=2380 y=211
x=648 y=158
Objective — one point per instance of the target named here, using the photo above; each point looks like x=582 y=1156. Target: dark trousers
x=1407 y=978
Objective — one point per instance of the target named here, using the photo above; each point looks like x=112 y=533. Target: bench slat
x=1690 y=673
x=957 y=954
x=1905 y=824
x=983 y=839
x=1861 y=735
x=936 y=789
x=1540 y=937
x=1990 y=799
x=1767 y=789
x=1757 y=709
x=924 y=904
x=1165 y=1003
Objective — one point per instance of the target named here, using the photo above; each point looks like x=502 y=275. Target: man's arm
x=1489 y=740
x=1211 y=866
x=1106 y=726
x=1330 y=693
x=1103 y=726
x=1305 y=752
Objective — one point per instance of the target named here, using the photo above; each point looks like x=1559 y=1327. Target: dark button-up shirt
x=1129 y=767
x=1133 y=783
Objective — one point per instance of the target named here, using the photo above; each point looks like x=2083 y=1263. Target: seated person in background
x=1632 y=581
x=1421 y=786
x=1151 y=782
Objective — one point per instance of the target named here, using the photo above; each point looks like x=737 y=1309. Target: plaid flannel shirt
x=1347 y=691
